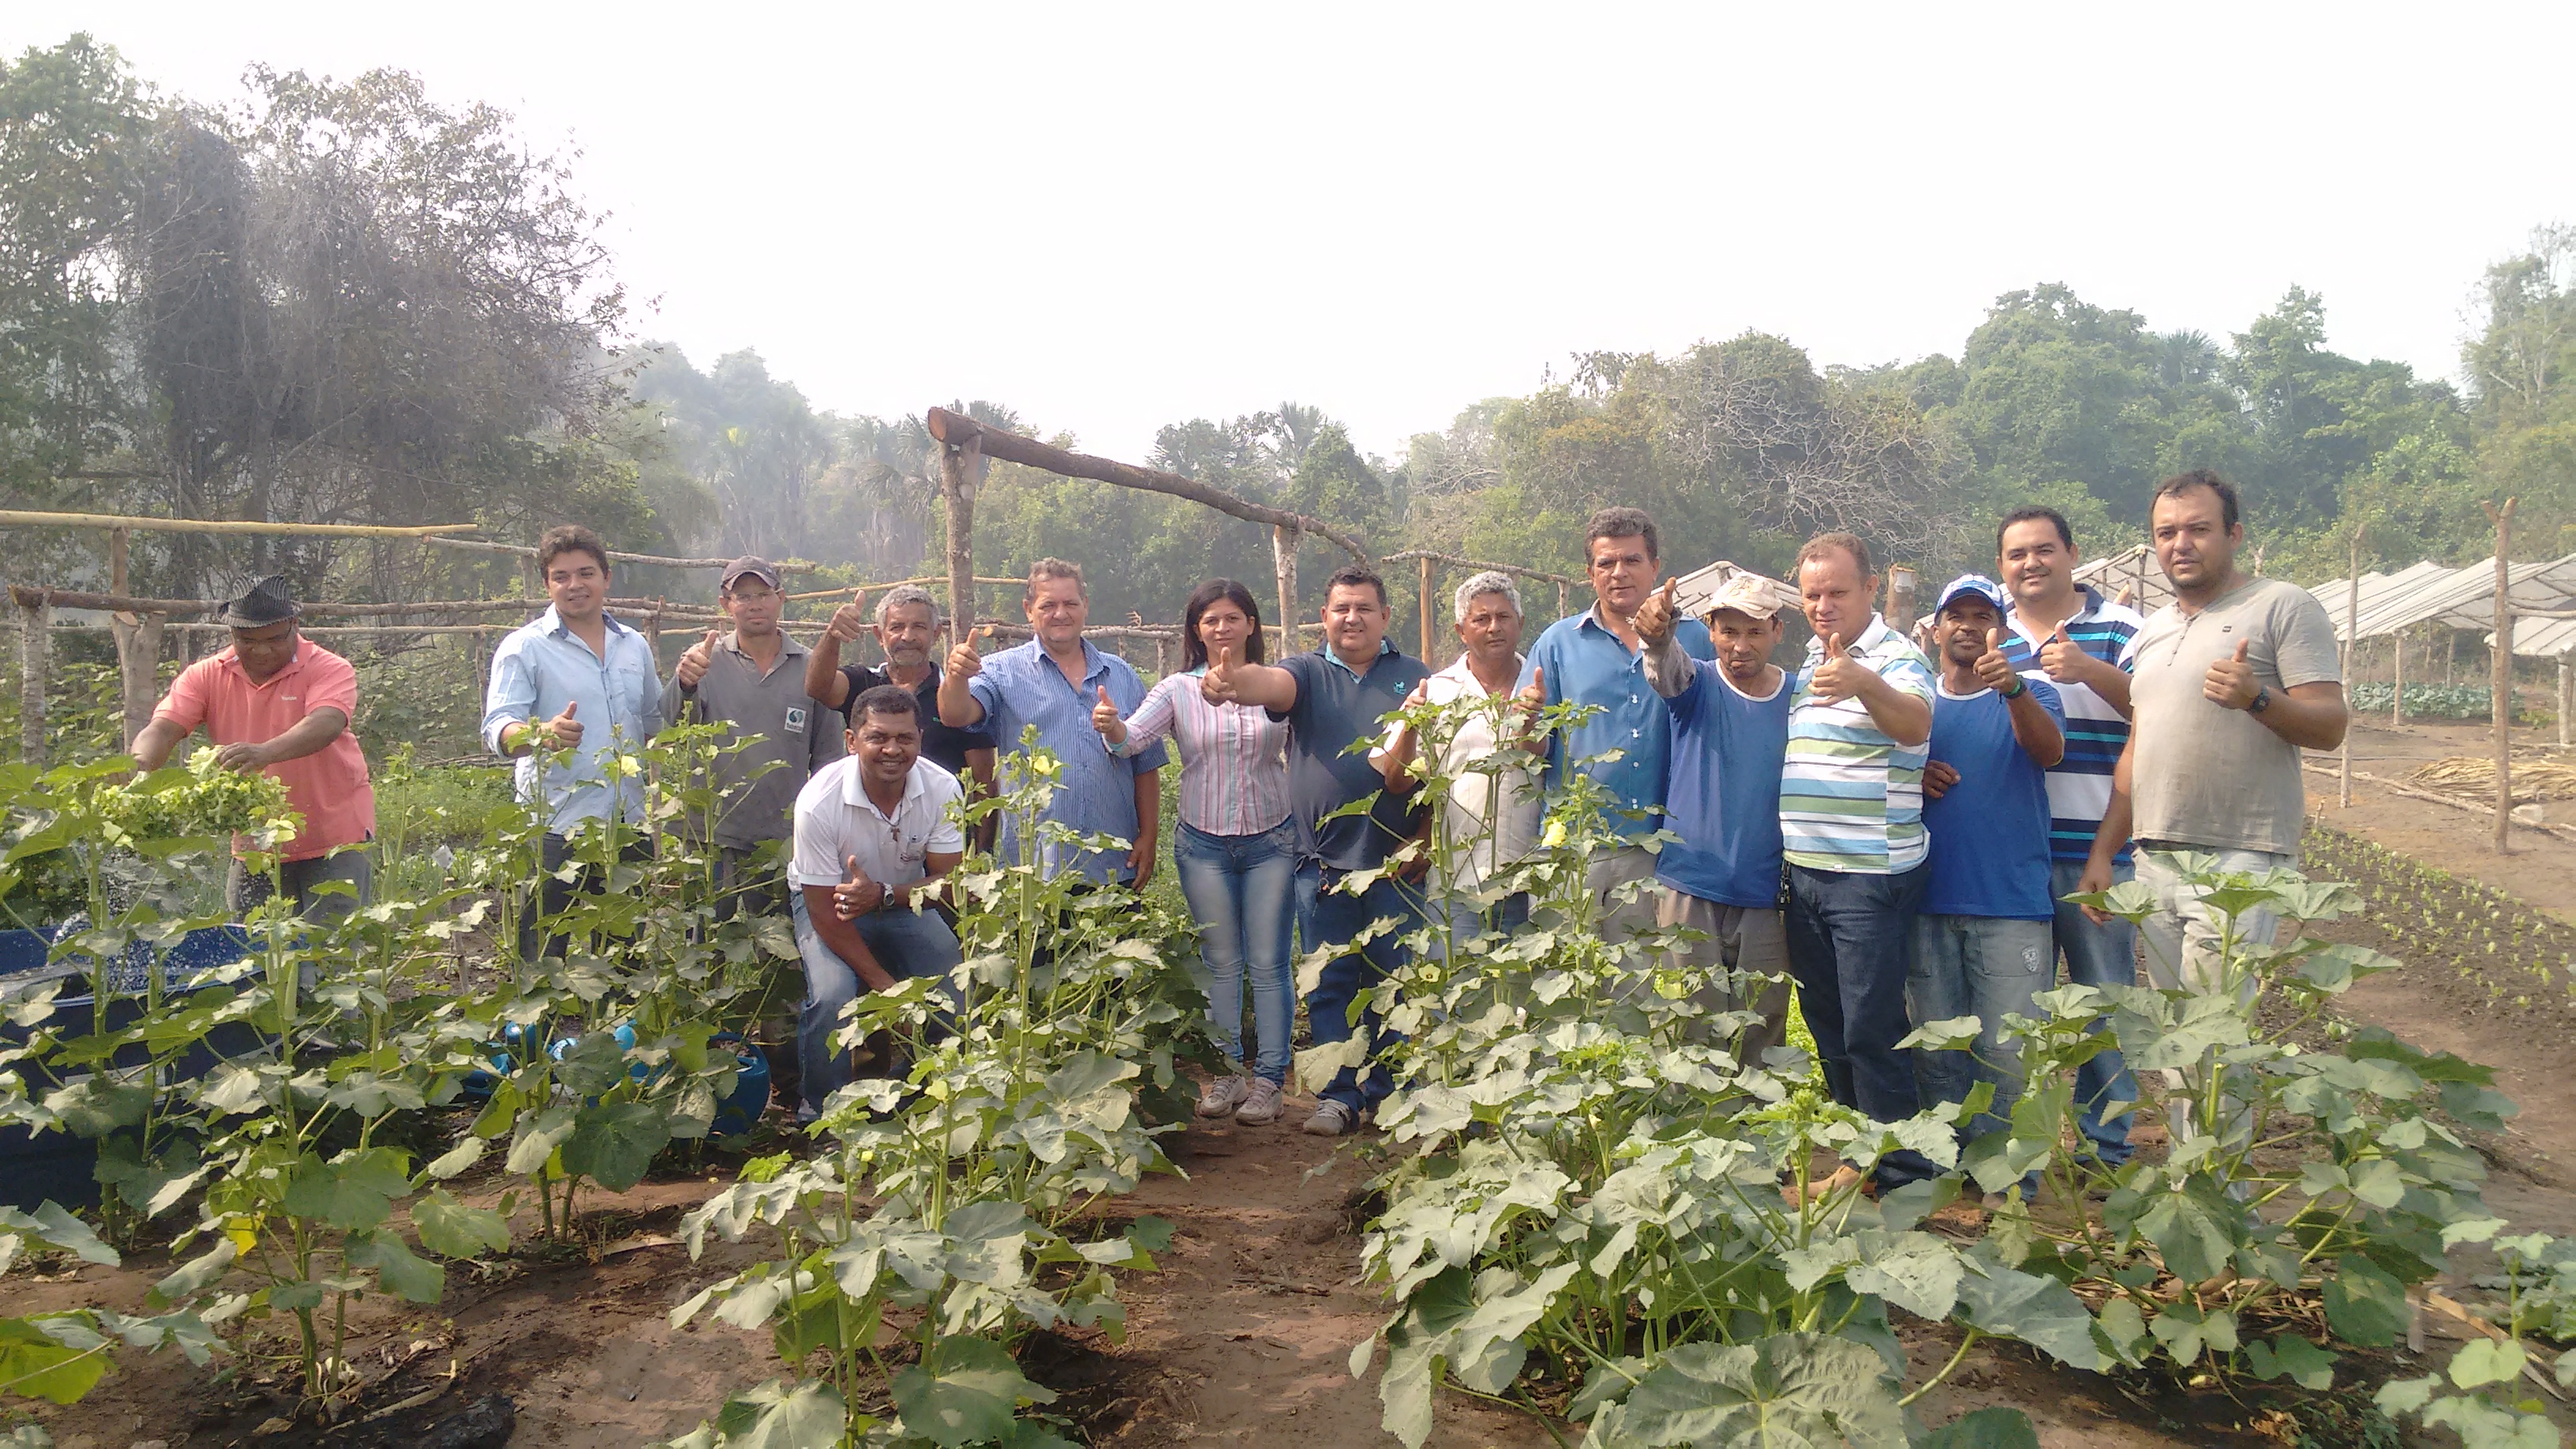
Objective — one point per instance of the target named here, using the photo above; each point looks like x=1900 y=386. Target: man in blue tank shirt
x=1984 y=943
x=1730 y=735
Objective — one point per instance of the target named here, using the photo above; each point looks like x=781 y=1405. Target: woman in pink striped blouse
x=1237 y=847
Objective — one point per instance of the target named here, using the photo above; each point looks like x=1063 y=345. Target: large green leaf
x=1789 y=1391
x=1915 y=1271
x=613 y=1143
x=450 y=1227
x=35 y=1365
x=535 y=1136
x=402 y=1271
x=965 y=1390
x=810 y=1415
x=2195 y=1229
x=342 y=1194
x=2041 y=1312
x=2364 y=1304
x=2293 y=1358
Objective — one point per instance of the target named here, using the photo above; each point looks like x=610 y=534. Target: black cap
x=267 y=602
x=753 y=566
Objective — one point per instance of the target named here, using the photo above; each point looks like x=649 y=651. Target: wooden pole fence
x=521 y=550
x=25 y=518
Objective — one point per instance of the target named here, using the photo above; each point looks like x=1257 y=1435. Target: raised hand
x=1937 y=779
x=856 y=895
x=563 y=732
x=1218 y=685
x=1994 y=671
x=2063 y=660
x=239 y=755
x=1533 y=695
x=965 y=661
x=1106 y=719
x=1837 y=678
x=850 y=621
x=2231 y=683
x=1655 y=616
x=695 y=659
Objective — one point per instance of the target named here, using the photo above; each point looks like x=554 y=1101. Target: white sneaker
x=1222 y=1094
x=1260 y=1105
x=1333 y=1119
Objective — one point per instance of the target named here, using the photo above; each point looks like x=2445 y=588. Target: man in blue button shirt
x=1984 y=941
x=1595 y=658
x=572 y=679
x=1052 y=682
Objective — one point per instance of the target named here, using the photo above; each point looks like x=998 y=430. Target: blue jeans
x=905 y=943
x=1241 y=888
x=1986 y=967
x=1851 y=940
x=1329 y=917
x=2105 y=955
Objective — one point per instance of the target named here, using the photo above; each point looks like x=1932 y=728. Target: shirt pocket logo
x=795 y=717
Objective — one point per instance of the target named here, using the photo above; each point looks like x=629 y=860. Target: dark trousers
x=554 y=894
x=243 y=889
x=1851 y=945
x=1328 y=917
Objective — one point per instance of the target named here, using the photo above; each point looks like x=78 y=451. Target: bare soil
x=1243 y=1335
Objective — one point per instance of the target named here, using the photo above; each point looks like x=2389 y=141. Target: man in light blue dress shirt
x=1052 y=682
x=572 y=679
x=1595 y=658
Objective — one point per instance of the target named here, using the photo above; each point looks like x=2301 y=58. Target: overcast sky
x=1116 y=218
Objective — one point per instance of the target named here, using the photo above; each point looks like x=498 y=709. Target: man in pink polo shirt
x=279 y=702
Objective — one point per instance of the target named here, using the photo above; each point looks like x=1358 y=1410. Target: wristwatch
x=2261 y=701
x=2018 y=690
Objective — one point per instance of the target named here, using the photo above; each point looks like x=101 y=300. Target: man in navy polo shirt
x=1730 y=737
x=2080 y=640
x=1340 y=693
x=1982 y=944
x=1595 y=658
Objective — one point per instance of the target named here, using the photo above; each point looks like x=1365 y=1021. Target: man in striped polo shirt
x=1851 y=827
x=2081 y=641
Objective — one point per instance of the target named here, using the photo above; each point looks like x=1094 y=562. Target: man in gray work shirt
x=752 y=681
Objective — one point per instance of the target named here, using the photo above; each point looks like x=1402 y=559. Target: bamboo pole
x=2351 y=651
x=2566 y=698
x=959 y=471
x=2502 y=709
x=2396 y=677
x=35 y=657
x=25 y=518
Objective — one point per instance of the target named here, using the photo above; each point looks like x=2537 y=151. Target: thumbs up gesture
x=2231 y=683
x=965 y=661
x=695 y=659
x=1838 y=677
x=1994 y=671
x=563 y=732
x=1218 y=685
x=850 y=621
x=1106 y=719
x=2063 y=660
x=856 y=895
x=1655 y=616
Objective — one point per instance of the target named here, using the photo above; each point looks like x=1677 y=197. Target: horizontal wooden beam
x=784 y=566
x=1480 y=564
x=956 y=429
x=25 y=518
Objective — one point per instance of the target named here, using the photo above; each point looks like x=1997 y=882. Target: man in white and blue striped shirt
x=1851 y=826
x=2081 y=641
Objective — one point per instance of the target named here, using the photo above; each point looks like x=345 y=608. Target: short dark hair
x=1621 y=523
x=1848 y=543
x=2181 y=483
x=1203 y=598
x=2031 y=512
x=566 y=538
x=885 y=699
x=1356 y=576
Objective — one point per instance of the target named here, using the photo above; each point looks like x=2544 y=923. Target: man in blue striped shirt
x=2081 y=641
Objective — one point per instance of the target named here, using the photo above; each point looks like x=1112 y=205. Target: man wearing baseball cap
x=279 y=703
x=752 y=681
x=1730 y=737
x=1983 y=942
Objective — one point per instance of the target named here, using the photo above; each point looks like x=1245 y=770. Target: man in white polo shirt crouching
x=875 y=840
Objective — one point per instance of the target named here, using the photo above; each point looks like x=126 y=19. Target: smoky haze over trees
x=348 y=302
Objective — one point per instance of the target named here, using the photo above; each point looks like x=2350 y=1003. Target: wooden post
x=1162 y=657
x=35 y=654
x=2502 y=709
x=1283 y=563
x=961 y=468
x=1560 y=601
x=2566 y=697
x=1425 y=598
x=2351 y=651
x=2397 y=677
x=138 y=644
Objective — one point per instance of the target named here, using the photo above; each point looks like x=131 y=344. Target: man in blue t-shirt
x=1982 y=944
x=1730 y=735
x=1340 y=693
